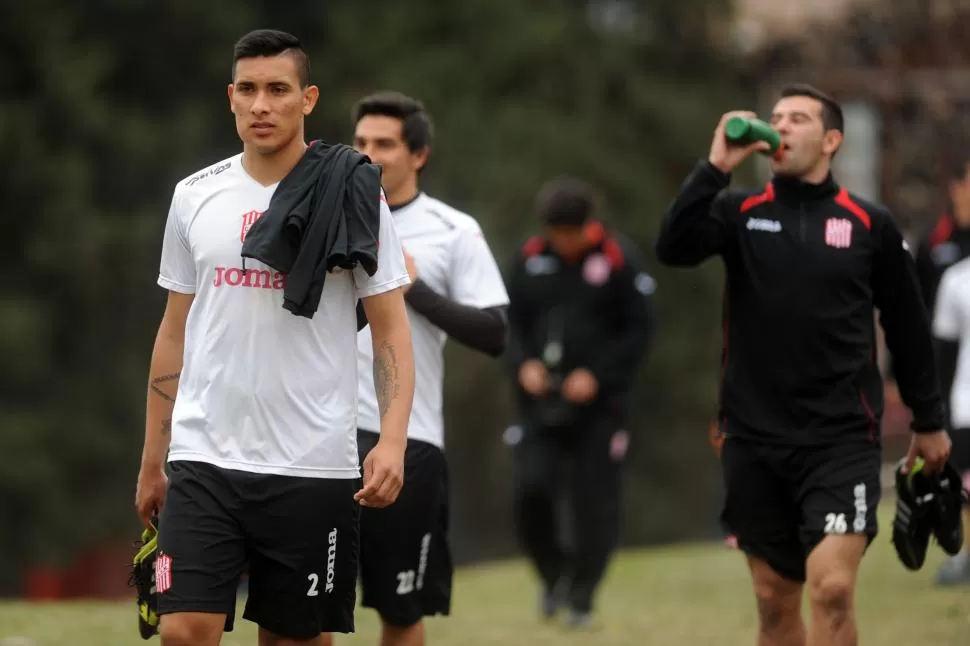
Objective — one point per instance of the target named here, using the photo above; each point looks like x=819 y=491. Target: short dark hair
x=416 y=127
x=956 y=160
x=832 y=118
x=567 y=201
x=272 y=42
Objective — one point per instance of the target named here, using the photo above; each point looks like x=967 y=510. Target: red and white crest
x=248 y=220
x=596 y=269
x=838 y=233
x=163 y=573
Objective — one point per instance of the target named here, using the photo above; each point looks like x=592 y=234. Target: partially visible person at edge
x=951 y=327
x=580 y=317
x=945 y=245
x=806 y=263
x=456 y=291
x=948 y=241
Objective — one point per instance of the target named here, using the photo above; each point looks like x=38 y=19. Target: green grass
x=694 y=595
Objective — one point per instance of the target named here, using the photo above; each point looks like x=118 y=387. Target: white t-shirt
x=262 y=390
x=951 y=322
x=452 y=258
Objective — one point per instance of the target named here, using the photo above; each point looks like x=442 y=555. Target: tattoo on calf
x=158 y=381
x=386 y=381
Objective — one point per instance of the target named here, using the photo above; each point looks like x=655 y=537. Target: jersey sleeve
x=177 y=268
x=391 y=271
x=946 y=314
x=474 y=278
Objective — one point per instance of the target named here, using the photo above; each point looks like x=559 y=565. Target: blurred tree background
x=108 y=103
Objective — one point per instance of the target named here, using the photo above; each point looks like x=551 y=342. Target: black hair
x=272 y=42
x=956 y=159
x=416 y=127
x=832 y=118
x=566 y=201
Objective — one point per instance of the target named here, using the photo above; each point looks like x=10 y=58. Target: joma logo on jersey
x=759 y=224
x=248 y=220
x=838 y=233
x=209 y=173
x=256 y=278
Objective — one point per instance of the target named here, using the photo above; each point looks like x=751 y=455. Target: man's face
x=567 y=241
x=960 y=198
x=382 y=139
x=804 y=139
x=269 y=103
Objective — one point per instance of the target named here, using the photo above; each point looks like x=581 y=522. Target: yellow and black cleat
x=142 y=578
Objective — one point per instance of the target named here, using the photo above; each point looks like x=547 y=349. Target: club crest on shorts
x=163 y=573
x=596 y=269
x=248 y=220
x=838 y=233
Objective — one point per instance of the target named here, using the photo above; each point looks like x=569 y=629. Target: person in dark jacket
x=580 y=320
x=801 y=395
x=945 y=245
x=948 y=241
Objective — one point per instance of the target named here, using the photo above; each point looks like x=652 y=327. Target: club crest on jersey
x=248 y=220
x=838 y=233
x=596 y=269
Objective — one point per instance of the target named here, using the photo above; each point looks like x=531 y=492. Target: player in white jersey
x=457 y=291
x=255 y=406
x=951 y=327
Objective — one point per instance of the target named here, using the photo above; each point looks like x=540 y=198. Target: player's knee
x=777 y=606
x=831 y=593
x=778 y=601
x=189 y=629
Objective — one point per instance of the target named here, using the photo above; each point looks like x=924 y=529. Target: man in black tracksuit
x=579 y=317
x=801 y=395
x=947 y=243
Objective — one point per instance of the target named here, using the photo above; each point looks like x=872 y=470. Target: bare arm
x=393 y=362
x=163 y=380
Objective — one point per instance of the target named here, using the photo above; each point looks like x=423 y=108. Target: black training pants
x=580 y=462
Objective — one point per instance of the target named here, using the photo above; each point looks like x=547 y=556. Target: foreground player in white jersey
x=951 y=327
x=458 y=292
x=261 y=435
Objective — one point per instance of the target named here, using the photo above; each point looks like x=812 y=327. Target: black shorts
x=780 y=502
x=960 y=455
x=297 y=537
x=406 y=567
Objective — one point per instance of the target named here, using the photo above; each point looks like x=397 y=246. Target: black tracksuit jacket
x=805 y=267
x=602 y=320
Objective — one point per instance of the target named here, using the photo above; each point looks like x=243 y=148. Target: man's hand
x=727 y=157
x=534 y=378
x=411 y=267
x=580 y=386
x=150 y=492
x=383 y=475
x=934 y=448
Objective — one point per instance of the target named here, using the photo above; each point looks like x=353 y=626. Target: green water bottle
x=743 y=131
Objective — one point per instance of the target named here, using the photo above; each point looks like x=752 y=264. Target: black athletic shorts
x=406 y=567
x=298 y=538
x=960 y=455
x=780 y=502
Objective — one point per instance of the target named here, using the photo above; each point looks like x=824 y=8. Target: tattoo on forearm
x=166 y=427
x=386 y=381
x=158 y=381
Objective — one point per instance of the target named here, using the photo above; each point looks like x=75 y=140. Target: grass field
x=694 y=595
